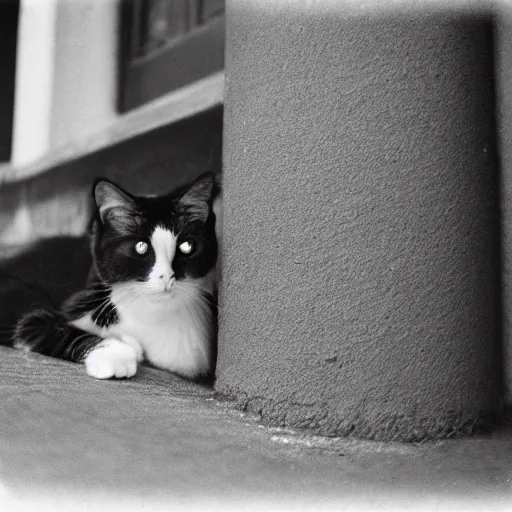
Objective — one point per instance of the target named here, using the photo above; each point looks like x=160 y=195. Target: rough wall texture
x=58 y=202
x=360 y=291
x=504 y=88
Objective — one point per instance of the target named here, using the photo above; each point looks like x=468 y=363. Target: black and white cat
x=151 y=290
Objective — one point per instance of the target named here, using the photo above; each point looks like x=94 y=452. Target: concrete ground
x=69 y=442
x=158 y=442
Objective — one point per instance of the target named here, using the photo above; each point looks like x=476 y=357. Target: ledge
x=185 y=102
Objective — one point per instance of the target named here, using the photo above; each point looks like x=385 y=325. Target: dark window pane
x=211 y=8
x=8 y=32
x=166 y=44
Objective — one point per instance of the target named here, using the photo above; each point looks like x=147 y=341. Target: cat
x=151 y=291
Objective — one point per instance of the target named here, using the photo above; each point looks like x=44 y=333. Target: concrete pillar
x=360 y=288
x=504 y=89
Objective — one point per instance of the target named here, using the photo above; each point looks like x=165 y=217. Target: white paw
x=130 y=340
x=111 y=358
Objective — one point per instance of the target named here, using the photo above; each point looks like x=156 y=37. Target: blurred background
x=130 y=90
x=90 y=88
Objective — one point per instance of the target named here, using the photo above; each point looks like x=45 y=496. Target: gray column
x=504 y=97
x=360 y=289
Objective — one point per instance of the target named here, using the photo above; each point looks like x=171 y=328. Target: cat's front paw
x=111 y=358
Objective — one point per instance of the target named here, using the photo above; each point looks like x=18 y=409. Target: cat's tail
x=49 y=332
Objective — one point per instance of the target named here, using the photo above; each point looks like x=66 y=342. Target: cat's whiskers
x=100 y=287
x=127 y=298
x=99 y=310
x=127 y=295
x=107 y=307
x=91 y=300
x=94 y=293
x=186 y=288
x=151 y=290
x=109 y=311
x=122 y=295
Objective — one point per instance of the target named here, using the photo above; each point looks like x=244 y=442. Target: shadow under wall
x=497 y=249
x=503 y=66
x=42 y=276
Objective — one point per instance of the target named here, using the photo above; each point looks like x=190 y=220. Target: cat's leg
x=49 y=333
x=113 y=358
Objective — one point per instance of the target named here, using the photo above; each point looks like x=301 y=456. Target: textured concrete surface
x=361 y=242
x=504 y=89
x=156 y=442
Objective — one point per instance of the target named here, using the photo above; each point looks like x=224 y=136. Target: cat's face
x=155 y=243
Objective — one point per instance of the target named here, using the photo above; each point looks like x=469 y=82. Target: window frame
x=193 y=56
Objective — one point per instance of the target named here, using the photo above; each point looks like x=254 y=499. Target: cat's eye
x=186 y=247
x=141 y=247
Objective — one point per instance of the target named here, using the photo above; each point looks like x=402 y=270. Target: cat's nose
x=168 y=279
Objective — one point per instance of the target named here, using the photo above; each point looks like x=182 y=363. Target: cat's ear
x=196 y=199
x=112 y=202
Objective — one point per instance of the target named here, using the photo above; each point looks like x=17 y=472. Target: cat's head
x=156 y=244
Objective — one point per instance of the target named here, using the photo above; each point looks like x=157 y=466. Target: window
x=8 y=35
x=166 y=44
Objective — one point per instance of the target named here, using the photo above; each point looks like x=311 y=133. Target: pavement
x=159 y=442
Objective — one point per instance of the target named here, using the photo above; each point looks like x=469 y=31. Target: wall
x=504 y=88
x=360 y=290
x=85 y=86
x=66 y=77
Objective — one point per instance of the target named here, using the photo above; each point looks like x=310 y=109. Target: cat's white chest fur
x=173 y=330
